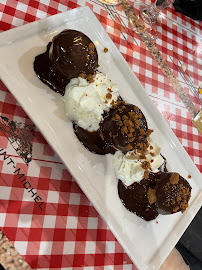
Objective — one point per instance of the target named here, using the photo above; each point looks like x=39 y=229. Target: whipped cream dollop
x=85 y=102
x=129 y=168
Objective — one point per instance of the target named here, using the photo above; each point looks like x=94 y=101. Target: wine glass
x=147 y=15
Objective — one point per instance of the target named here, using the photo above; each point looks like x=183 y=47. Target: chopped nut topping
x=124 y=129
x=120 y=123
x=105 y=50
x=132 y=115
x=82 y=75
x=129 y=147
x=112 y=102
x=130 y=123
x=145 y=165
x=118 y=117
x=149 y=131
x=174 y=179
x=151 y=195
x=139 y=115
x=87 y=57
x=91 y=52
x=137 y=123
x=109 y=96
x=125 y=117
x=142 y=132
x=130 y=135
x=90 y=78
x=91 y=46
x=176 y=209
x=146 y=174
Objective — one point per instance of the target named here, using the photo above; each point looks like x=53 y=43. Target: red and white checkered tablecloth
x=68 y=232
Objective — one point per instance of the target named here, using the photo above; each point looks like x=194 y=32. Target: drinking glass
x=147 y=14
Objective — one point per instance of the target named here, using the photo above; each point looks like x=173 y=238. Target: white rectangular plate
x=147 y=243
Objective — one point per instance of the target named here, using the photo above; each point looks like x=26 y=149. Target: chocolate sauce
x=67 y=56
x=134 y=198
x=172 y=198
x=92 y=141
x=45 y=73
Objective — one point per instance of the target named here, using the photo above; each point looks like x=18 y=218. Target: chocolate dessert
x=70 y=54
x=172 y=193
x=135 y=197
x=120 y=126
x=161 y=193
x=92 y=141
x=124 y=127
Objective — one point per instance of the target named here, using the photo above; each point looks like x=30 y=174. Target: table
x=68 y=233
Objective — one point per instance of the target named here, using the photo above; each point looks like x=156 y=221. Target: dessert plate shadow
x=147 y=243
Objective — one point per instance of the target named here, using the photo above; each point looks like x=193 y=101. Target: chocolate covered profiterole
x=93 y=141
x=70 y=54
x=172 y=193
x=135 y=197
x=161 y=193
x=124 y=127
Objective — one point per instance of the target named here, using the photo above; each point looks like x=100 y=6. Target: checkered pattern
x=68 y=232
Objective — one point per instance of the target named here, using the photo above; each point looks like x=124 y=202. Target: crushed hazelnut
x=91 y=46
x=176 y=209
x=151 y=195
x=108 y=95
x=112 y=102
x=119 y=123
x=124 y=129
x=125 y=117
x=90 y=78
x=142 y=132
x=174 y=179
x=149 y=131
x=129 y=147
x=146 y=174
x=145 y=165
x=137 y=123
x=82 y=75
x=91 y=52
x=105 y=50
